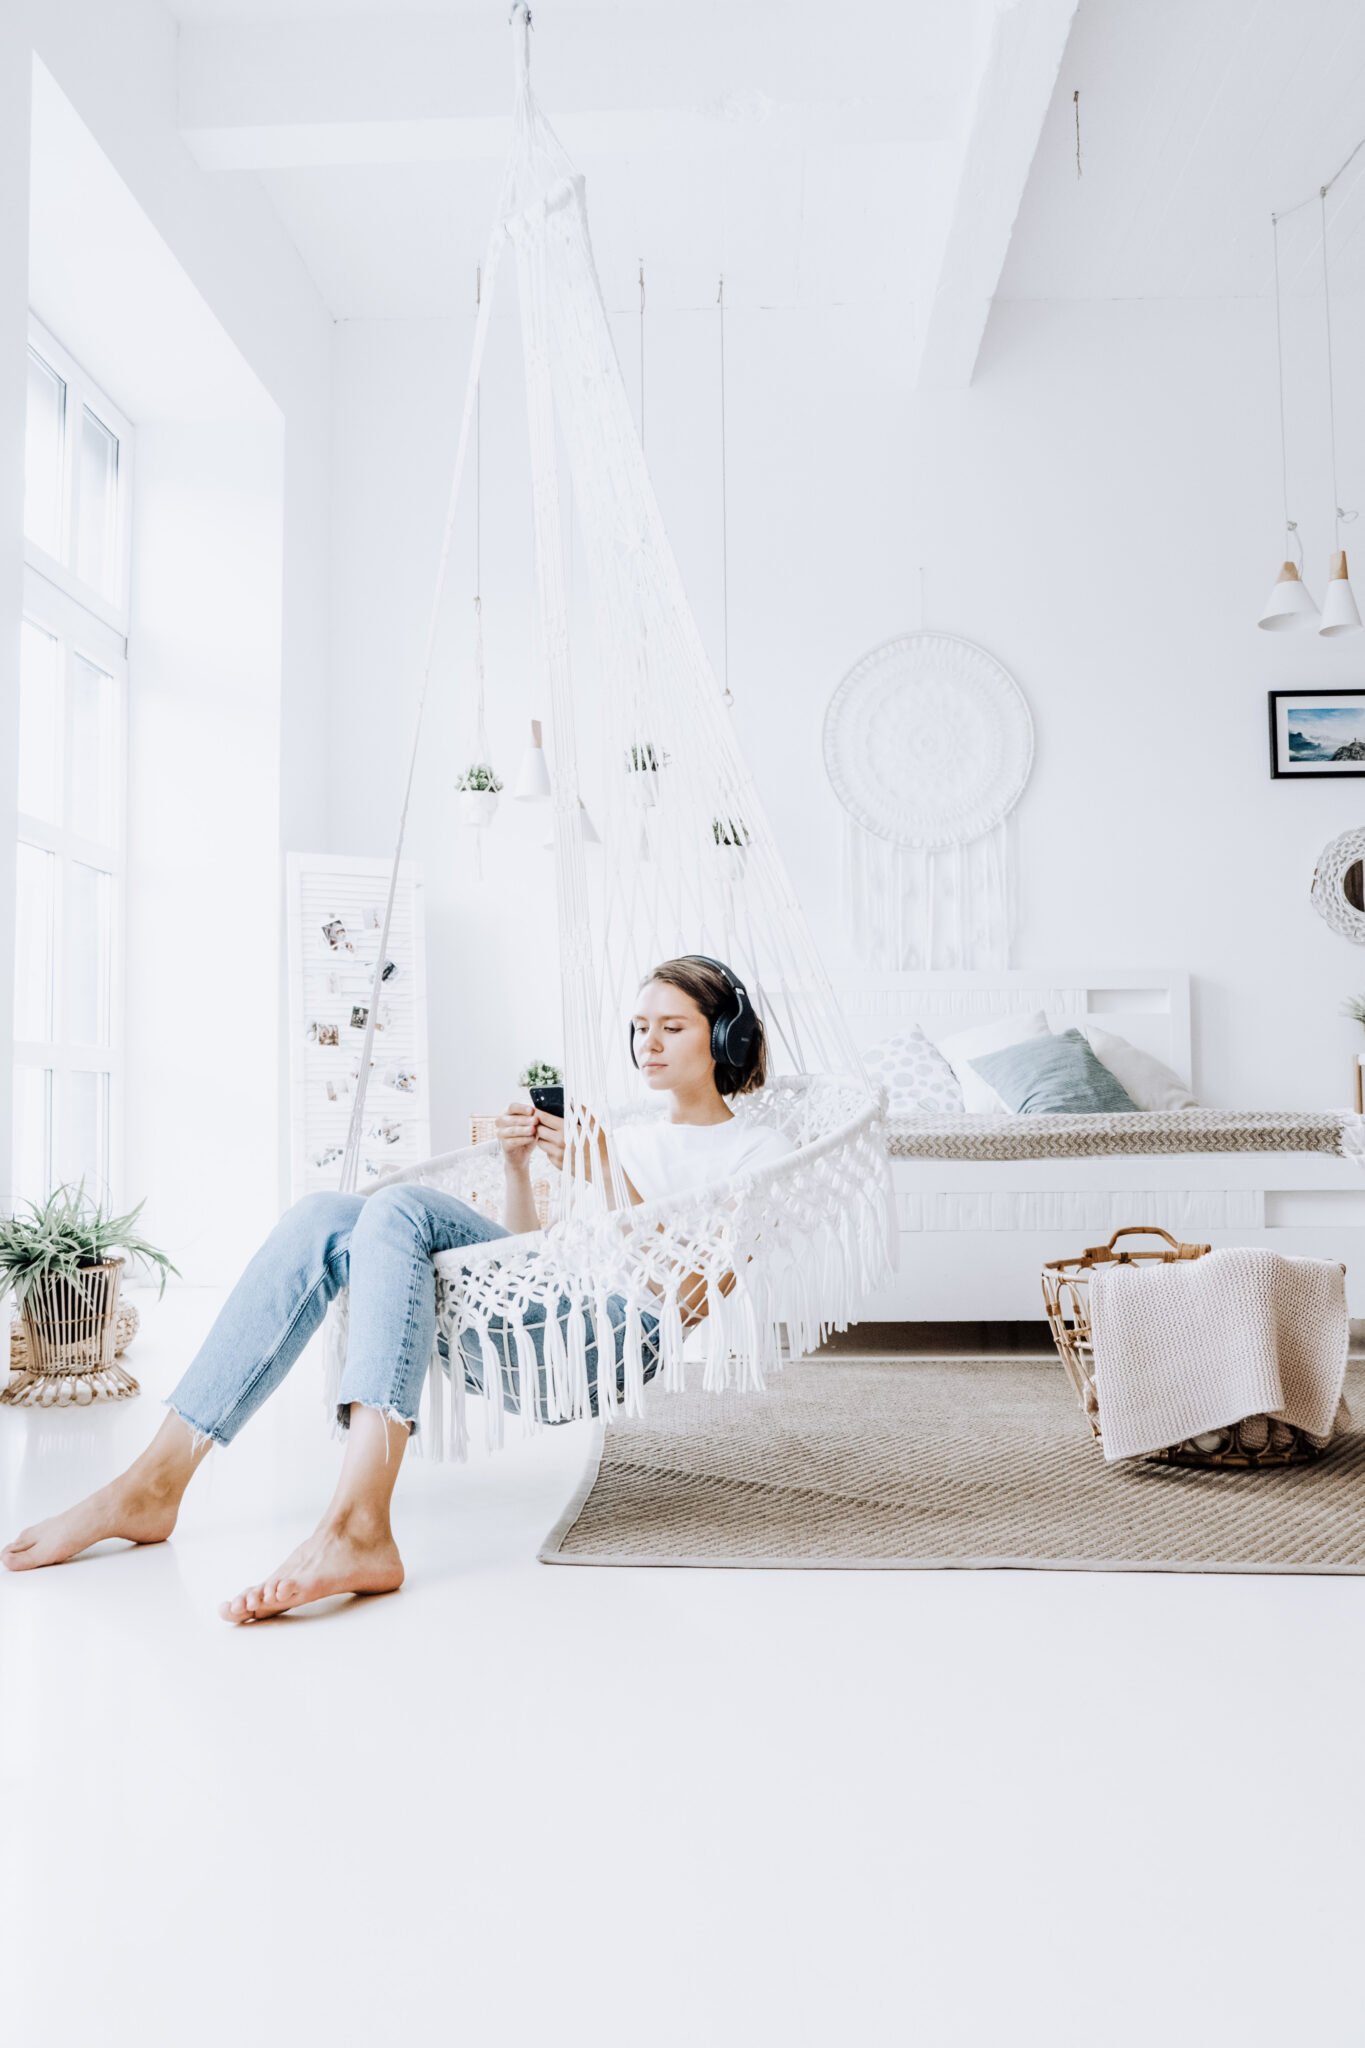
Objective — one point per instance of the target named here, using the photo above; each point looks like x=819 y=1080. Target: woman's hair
x=714 y=997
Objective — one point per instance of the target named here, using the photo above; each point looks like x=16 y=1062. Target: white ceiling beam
x=430 y=88
x=1018 y=75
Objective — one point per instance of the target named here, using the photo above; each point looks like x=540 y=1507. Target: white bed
x=974 y=1233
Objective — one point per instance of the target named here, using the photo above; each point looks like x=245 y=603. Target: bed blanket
x=1336 y=1132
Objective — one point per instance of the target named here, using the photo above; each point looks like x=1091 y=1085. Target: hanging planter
x=732 y=840
x=478 y=790
x=643 y=762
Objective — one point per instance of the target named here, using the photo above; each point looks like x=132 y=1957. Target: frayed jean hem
x=198 y=1436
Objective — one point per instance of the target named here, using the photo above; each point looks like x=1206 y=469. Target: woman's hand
x=517 y=1135
x=550 y=1137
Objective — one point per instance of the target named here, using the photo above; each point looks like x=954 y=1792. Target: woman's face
x=672 y=1038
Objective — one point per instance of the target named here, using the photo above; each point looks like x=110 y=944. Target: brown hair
x=714 y=997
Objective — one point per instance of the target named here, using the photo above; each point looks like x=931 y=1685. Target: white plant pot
x=643 y=784
x=735 y=859
x=477 y=806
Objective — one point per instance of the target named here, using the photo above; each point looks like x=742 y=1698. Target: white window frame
x=85 y=623
x=82 y=392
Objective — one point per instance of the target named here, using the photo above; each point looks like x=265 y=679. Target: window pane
x=87 y=955
x=46 y=434
x=81 y=1129
x=40 y=723
x=92 y=786
x=96 y=551
x=33 y=948
x=32 y=1104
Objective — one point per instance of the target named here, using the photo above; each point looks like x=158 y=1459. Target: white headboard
x=1149 y=1006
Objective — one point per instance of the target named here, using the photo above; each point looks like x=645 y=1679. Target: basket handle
x=1100 y=1252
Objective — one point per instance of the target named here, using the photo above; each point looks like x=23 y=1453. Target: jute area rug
x=935 y=1464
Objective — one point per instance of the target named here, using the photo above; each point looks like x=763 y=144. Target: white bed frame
x=974 y=1234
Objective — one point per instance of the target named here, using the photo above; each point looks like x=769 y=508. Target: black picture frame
x=1309 y=767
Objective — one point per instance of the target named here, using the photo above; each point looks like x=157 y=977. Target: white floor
x=528 y=1805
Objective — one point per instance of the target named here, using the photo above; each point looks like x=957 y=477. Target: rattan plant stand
x=70 y=1342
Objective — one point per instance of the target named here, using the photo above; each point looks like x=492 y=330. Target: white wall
x=1100 y=510
x=14 y=118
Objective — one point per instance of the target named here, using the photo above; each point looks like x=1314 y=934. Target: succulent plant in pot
x=478 y=786
x=731 y=835
x=643 y=762
x=63 y=1261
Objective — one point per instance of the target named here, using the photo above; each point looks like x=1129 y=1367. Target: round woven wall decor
x=1329 y=885
x=928 y=741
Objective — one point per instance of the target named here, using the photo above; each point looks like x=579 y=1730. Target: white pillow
x=964 y=1046
x=915 y=1075
x=1151 y=1084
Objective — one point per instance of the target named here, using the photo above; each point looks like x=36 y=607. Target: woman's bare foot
x=127 y=1507
x=348 y=1556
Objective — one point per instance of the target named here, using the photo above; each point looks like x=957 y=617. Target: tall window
x=71 y=777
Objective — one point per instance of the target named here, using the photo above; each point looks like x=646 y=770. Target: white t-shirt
x=664 y=1158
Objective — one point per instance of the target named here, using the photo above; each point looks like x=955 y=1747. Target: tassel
x=672 y=1338
x=492 y=1388
x=632 y=1358
x=528 y=1379
x=577 y=1346
x=557 y=1391
x=605 y=1336
x=334 y=1358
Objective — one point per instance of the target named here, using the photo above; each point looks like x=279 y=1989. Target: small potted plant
x=546 y=1084
x=643 y=762
x=732 y=837
x=478 y=788
x=63 y=1261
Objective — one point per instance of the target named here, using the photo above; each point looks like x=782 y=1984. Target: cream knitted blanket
x=1194 y=1346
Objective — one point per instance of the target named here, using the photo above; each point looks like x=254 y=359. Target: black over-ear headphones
x=733 y=1036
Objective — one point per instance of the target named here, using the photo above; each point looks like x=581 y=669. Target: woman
x=694 y=1036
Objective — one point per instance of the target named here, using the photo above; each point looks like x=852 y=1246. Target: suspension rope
x=727 y=694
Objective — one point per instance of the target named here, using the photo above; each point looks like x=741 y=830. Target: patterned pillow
x=915 y=1075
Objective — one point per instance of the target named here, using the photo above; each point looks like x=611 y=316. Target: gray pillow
x=1053 y=1076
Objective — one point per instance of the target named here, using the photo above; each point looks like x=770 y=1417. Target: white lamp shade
x=533 y=776
x=587 y=831
x=1289 y=604
x=1340 y=613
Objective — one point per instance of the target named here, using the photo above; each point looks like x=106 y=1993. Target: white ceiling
x=816 y=152
x=1198 y=119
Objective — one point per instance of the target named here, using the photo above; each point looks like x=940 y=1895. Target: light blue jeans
x=381 y=1246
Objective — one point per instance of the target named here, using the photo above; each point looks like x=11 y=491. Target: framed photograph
x=1317 y=733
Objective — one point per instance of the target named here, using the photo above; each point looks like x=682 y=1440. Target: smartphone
x=551 y=1100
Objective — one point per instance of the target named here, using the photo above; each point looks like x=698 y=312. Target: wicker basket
x=1255 y=1441
x=70 y=1335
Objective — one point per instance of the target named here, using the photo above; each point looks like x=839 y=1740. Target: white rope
x=689 y=864
x=724 y=511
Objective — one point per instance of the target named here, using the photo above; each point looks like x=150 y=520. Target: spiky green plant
x=479 y=777
x=54 y=1240
x=540 y=1074
x=1354 y=1007
x=729 y=832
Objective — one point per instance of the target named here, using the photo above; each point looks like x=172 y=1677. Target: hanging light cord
x=478 y=454
x=1291 y=526
x=642 y=351
x=1342 y=517
x=724 y=511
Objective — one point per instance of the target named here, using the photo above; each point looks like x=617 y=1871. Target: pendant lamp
x=1340 y=613
x=587 y=831
x=1290 y=603
x=533 y=777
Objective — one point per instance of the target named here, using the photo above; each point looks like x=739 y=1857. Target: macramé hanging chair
x=796 y=1244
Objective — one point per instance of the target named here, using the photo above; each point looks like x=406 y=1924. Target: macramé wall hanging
x=928 y=746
